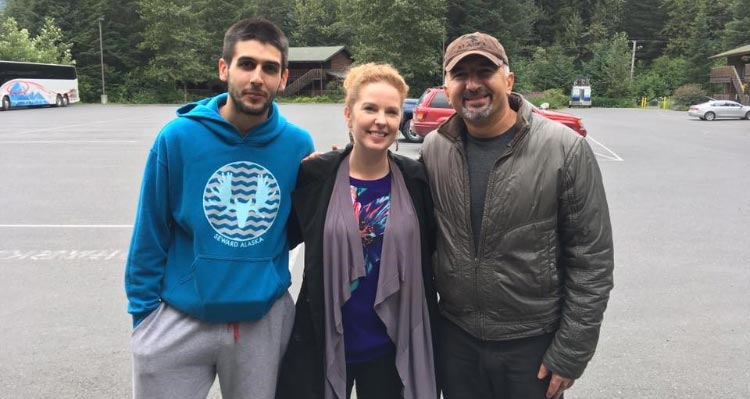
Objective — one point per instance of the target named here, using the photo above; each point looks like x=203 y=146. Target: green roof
x=738 y=51
x=313 y=54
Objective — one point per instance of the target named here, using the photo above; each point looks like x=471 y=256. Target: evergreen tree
x=699 y=48
x=154 y=46
x=553 y=68
x=175 y=35
x=122 y=30
x=23 y=12
x=610 y=67
x=679 y=16
x=576 y=25
x=547 y=22
x=737 y=31
x=511 y=22
x=280 y=12
x=215 y=17
x=643 y=21
x=609 y=15
x=316 y=23
x=377 y=36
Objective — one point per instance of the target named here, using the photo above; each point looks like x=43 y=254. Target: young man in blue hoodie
x=208 y=268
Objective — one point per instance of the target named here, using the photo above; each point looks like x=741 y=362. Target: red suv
x=433 y=109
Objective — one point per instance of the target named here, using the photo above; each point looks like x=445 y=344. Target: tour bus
x=28 y=84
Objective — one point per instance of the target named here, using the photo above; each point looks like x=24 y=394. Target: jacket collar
x=327 y=164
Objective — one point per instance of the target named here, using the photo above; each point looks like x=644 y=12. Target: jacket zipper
x=472 y=247
x=477 y=249
x=491 y=184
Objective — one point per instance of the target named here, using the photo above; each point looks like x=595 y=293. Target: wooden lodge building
x=312 y=68
x=734 y=78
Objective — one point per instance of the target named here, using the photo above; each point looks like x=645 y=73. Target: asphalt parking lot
x=679 y=194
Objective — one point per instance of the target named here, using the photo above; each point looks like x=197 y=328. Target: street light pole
x=632 y=60
x=101 y=55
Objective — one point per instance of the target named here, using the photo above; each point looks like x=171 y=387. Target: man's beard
x=253 y=110
x=477 y=116
x=480 y=115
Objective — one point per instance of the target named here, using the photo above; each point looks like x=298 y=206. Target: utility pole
x=632 y=61
x=101 y=58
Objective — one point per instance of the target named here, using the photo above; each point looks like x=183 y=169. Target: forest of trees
x=155 y=49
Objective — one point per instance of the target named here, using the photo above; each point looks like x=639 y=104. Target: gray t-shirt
x=481 y=155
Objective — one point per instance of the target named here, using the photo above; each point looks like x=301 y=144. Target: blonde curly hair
x=364 y=74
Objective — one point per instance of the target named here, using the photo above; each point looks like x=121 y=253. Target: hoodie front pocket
x=231 y=289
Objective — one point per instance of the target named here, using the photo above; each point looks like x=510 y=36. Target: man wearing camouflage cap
x=524 y=255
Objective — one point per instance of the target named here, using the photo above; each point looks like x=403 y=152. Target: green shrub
x=152 y=96
x=335 y=87
x=608 y=102
x=679 y=107
x=148 y=95
x=324 y=99
x=689 y=94
x=661 y=77
x=137 y=88
x=554 y=97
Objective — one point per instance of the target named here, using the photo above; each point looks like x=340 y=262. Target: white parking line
x=63 y=254
x=68 y=142
x=612 y=157
x=22 y=132
x=67 y=226
x=293 y=254
x=297 y=270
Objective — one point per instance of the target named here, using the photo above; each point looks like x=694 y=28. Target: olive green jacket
x=545 y=257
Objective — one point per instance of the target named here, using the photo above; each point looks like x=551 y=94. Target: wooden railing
x=746 y=76
x=302 y=81
x=728 y=74
x=722 y=74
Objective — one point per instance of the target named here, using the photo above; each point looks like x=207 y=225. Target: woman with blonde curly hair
x=367 y=297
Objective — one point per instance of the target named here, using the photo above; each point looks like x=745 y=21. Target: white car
x=713 y=109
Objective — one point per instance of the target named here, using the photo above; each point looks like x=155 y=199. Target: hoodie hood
x=206 y=112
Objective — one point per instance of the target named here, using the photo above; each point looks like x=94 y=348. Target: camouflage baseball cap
x=474 y=43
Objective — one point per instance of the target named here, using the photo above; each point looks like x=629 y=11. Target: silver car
x=713 y=109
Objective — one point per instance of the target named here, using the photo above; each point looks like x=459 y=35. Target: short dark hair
x=258 y=29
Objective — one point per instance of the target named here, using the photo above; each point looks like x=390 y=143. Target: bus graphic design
x=29 y=84
x=24 y=94
x=241 y=200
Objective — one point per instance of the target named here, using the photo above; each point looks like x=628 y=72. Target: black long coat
x=302 y=371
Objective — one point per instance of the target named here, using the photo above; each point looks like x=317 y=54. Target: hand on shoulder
x=318 y=153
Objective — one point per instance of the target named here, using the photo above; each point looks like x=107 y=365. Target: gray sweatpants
x=177 y=356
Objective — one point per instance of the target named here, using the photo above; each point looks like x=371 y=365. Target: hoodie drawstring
x=236 y=327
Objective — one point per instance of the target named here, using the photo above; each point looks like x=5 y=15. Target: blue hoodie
x=210 y=231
